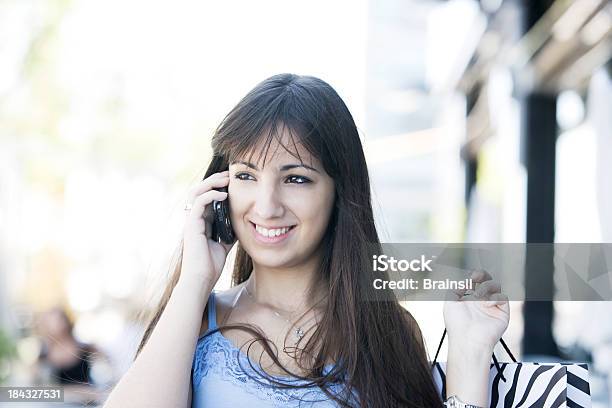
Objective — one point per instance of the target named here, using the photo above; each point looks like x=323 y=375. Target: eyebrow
x=283 y=168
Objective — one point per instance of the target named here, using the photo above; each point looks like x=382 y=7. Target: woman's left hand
x=477 y=320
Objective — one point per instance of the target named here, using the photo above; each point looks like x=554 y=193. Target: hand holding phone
x=204 y=252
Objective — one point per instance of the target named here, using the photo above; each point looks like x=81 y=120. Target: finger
x=497 y=299
x=454 y=295
x=487 y=288
x=215 y=180
x=200 y=203
x=480 y=275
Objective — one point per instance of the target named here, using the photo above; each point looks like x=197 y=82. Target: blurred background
x=482 y=121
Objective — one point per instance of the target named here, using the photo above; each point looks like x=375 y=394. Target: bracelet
x=454 y=402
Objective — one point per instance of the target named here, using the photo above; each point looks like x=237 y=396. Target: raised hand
x=479 y=318
x=203 y=258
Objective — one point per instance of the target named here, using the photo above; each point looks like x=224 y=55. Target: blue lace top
x=223 y=376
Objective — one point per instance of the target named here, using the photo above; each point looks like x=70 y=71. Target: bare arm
x=475 y=322
x=160 y=375
x=467 y=373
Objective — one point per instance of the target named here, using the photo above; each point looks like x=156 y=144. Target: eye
x=244 y=176
x=293 y=179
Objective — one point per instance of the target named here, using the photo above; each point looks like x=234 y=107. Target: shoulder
x=223 y=304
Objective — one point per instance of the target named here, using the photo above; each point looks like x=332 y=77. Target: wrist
x=194 y=285
x=469 y=359
x=467 y=373
x=469 y=354
x=455 y=402
x=471 y=347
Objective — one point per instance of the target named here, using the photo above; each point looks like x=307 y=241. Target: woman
x=67 y=361
x=67 y=357
x=294 y=329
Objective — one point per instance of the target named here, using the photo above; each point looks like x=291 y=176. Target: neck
x=289 y=289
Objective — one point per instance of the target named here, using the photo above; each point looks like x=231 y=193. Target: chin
x=271 y=260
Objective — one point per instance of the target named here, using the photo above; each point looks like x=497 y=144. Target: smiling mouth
x=272 y=233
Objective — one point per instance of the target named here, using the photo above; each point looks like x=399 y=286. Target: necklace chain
x=298 y=332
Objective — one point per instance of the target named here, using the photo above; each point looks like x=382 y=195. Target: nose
x=268 y=203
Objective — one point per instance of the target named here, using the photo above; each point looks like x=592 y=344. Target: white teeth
x=271 y=232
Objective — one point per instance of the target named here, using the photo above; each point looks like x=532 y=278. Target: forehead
x=277 y=151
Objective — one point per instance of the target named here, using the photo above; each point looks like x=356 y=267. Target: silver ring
x=468 y=292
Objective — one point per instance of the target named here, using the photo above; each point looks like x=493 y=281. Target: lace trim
x=216 y=354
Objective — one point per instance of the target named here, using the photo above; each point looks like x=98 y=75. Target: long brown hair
x=377 y=347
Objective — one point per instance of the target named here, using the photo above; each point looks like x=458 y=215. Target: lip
x=271 y=240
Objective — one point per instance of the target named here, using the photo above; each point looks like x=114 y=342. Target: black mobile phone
x=222 y=230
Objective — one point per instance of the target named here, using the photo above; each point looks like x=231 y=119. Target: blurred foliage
x=7 y=352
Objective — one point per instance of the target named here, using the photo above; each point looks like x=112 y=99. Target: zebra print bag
x=537 y=385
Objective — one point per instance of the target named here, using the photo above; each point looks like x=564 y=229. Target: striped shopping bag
x=526 y=384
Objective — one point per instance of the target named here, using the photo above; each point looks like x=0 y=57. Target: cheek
x=238 y=202
x=314 y=209
x=327 y=206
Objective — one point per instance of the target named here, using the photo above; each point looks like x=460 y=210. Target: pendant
x=299 y=333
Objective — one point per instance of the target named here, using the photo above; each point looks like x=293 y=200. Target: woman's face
x=54 y=323
x=280 y=209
